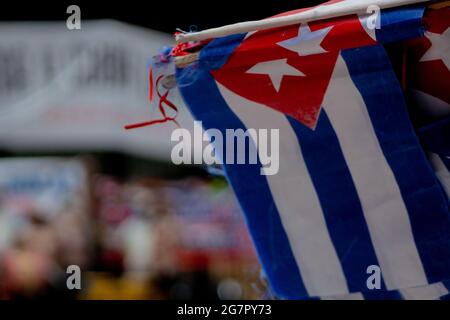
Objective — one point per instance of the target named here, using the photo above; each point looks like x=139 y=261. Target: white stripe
x=385 y=212
x=296 y=201
x=430 y=292
x=441 y=171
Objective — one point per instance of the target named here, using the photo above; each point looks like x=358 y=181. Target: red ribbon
x=150 y=79
x=163 y=101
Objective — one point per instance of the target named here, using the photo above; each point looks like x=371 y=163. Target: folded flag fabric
x=428 y=66
x=428 y=81
x=354 y=187
x=435 y=291
x=442 y=170
x=435 y=138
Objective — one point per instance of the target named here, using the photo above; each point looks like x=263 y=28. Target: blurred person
x=139 y=245
x=25 y=272
x=197 y=277
x=73 y=238
x=31 y=267
x=31 y=260
x=137 y=231
x=166 y=243
x=165 y=267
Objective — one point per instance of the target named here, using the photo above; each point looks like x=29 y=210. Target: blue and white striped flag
x=354 y=187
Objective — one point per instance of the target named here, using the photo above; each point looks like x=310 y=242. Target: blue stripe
x=339 y=200
x=251 y=188
x=446 y=284
x=435 y=138
x=372 y=74
x=382 y=295
x=445 y=298
x=399 y=24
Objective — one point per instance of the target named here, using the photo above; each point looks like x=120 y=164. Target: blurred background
x=77 y=189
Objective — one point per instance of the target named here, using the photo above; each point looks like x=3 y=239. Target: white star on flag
x=276 y=70
x=306 y=42
x=440 y=47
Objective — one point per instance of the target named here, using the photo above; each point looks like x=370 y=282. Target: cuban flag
x=428 y=87
x=354 y=187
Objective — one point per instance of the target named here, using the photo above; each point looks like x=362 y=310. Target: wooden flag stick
x=440 y=5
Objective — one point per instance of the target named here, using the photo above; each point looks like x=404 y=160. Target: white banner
x=66 y=89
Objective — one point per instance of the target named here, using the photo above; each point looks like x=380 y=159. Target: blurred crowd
x=138 y=238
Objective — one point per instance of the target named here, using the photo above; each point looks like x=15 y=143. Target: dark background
x=160 y=15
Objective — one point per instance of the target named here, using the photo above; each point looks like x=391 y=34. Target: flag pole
x=317 y=13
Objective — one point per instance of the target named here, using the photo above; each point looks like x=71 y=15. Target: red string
x=150 y=79
x=163 y=101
